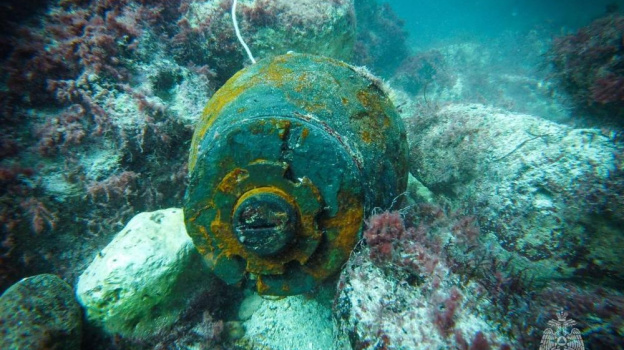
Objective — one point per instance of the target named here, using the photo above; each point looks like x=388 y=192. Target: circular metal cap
x=264 y=223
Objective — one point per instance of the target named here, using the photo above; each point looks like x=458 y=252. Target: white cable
x=238 y=34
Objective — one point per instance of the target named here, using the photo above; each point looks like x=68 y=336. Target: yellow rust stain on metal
x=314 y=107
x=231 y=180
x=258 y=127
x=302 y=82
x=346 y=224
x=203 y=248
x=304 y=134
x=283 y=127
x=374 y=121
x=274 y=73
x=261 y=190
x=344 y=101
x=325 y=60
x=224 y=96
x=230 y=245
x=261 y=286
x=263 y=266
x=372 y=102
x=258 y=161
x=208 y=204
x=308 y=99
x=366 y=136
x=349 y=228
x=203 y=231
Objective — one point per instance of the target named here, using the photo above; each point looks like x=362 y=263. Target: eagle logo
x=558 y=337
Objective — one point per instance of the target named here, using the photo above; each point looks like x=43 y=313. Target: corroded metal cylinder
x=287 y=159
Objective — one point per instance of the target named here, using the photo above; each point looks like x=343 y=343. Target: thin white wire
x=238 y=34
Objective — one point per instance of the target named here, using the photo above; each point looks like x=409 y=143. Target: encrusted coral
x=468 y=299
x=403 y=289
x=539 y=189
x=424 y=72
x=590 y=66
x=379 y=32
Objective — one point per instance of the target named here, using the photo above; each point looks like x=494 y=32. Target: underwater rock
x=83 y=125
x=270 y=28
x=379 y=31
x=294 y=322
x=387 y=306
x=142 y=280
x=425 y=70
x=546 y=195
x=248 y=306
x=40 y=312
x=588 y=64
x=464 y=73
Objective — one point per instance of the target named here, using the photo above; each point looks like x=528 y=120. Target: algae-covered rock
x=40 y=312
x=143 y=279
x=546 y=195
x=308 y=26
x=588 y=66
x=381 y=306
x=294 y=322
x=270 y=28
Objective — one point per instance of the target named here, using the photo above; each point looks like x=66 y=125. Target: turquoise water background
x=430 y=22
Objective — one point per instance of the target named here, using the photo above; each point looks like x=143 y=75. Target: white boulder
x=143 y=279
